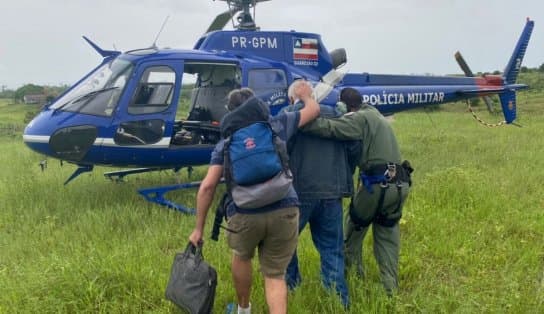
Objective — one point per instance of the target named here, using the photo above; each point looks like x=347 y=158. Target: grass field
x=471 y=234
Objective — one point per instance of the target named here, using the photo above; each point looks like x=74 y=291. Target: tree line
x=17 y=95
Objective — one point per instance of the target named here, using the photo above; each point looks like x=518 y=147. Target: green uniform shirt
x=379 y=144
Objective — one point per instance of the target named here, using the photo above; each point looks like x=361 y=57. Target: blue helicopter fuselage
x=127 y=112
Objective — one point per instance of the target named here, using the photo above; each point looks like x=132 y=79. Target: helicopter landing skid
x=80 y=169
x=156 y=195
x=118 y=176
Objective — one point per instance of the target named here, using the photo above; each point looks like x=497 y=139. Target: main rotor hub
x=246 y=20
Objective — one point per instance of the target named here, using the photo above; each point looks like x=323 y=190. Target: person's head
x=291 y=92
x=236 y=97
x=352 y=98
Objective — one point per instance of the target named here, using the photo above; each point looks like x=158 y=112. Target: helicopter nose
x=73 y=143
x=37 y=141
x=69 y=143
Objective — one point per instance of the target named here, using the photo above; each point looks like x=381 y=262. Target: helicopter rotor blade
x=222 y=19
x=489 y=104
x=466 y=69
x=463 y=64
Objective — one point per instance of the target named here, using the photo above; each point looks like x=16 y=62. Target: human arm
x=204 y=199
x=347 y=127
x=303 y=91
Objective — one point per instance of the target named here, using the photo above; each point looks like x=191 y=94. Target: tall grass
x=471 y=233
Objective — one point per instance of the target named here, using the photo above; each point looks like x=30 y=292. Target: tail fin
x=508 y=104
x=508 y=97
x=514 y=65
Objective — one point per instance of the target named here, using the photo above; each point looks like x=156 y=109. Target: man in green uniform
x=382 y=188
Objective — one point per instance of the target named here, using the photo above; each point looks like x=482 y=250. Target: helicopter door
x=150 y=109
x=270 y=85
x=202 y=101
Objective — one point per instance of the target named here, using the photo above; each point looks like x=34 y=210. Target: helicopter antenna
x=154 y=45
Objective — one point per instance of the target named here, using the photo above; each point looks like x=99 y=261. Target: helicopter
x=127 y=112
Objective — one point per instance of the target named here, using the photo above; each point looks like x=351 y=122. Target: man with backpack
x=384 y=183
x=271 y=228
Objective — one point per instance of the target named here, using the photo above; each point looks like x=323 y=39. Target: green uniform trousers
x=386 y=239
x=386 y=251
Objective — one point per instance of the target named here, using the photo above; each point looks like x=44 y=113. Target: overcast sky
x=40 y=41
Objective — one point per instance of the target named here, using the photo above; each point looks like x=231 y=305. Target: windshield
x=99 y=93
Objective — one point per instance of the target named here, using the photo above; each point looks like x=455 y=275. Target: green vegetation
x=535 y=79
x=471 y=233
x=13 y=117
x=28 y=89
x=17 y=95
x=184 y=102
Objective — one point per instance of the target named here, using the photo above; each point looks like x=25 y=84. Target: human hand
x=196 y=237
x=303 y=91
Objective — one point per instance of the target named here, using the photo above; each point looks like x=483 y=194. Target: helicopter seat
x=212 y=99
x=200 y=114
x=197 y=132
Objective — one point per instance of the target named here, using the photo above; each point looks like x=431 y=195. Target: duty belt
x=384 y=174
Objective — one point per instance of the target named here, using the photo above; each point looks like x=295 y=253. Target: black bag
x=192 y=281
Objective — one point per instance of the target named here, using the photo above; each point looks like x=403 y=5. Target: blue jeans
x=325 y=218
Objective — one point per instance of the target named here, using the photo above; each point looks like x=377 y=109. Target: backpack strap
x=383 y=219
x=281 y=149
x=227 y=164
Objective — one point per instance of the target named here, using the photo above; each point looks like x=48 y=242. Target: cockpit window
x=99 y=93
x=267 y=79
x=155 y=91
x=270 y=85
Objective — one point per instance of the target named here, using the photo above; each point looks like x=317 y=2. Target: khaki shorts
x=275 y=233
